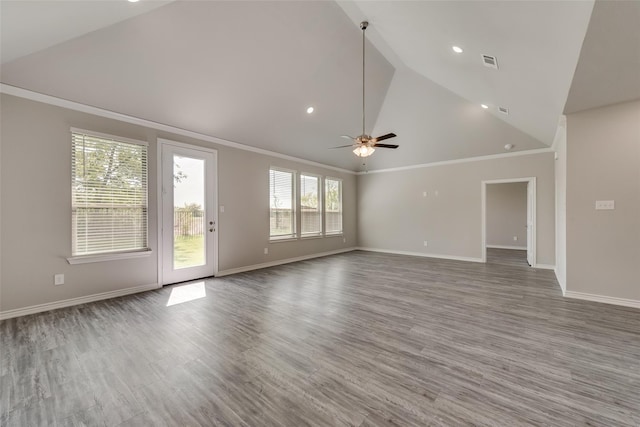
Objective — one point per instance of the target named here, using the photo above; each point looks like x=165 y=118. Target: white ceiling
x=30 y=26
x=241 y=71
x=537 y=44
x=246 y=71
x=609 y=68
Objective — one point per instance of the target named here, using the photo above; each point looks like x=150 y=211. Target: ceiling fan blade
x=386 y=146
x=383 y=137
x=347 y=136
x=342 y=146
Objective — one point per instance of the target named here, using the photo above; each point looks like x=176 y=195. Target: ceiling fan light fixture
x=363 y=151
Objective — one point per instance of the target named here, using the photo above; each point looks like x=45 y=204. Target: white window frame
x=294 y=205
x=320 y=179
x=324 y=207
x=127 y=253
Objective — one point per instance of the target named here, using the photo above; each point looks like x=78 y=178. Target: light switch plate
x=602 y=205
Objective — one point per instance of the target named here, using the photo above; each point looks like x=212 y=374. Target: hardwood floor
x=509 y=257
x=363 y=339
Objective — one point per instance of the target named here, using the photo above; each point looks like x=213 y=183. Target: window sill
x=333 y=234
x=312 y=236
x=283 y=239
x=86 y=259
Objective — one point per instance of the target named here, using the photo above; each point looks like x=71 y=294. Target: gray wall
x=395 y=216
x=507 y=214
x=35 y=183
x=603 y=163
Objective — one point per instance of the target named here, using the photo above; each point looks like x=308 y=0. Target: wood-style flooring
x=361 y=339
x=508 y=257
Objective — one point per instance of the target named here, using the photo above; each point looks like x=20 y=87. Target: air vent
x=490 y=61
x=504 y=110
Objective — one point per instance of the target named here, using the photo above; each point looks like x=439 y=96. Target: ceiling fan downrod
x=363 y=27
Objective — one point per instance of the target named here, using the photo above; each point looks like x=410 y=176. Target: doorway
x=509 y=237
x=188 y=213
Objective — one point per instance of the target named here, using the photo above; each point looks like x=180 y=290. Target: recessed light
x=508 y=147
x=457 y=49
x=310 y=110
x=485 y=106
x=133 y=1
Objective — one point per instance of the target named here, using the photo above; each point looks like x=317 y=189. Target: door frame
x=159 y=147
x=531 y=207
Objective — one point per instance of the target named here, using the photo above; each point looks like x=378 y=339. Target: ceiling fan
x=364 y=145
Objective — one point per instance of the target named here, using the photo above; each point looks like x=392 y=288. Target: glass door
x=188 y=213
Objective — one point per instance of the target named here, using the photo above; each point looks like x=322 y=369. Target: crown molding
x=466 y=160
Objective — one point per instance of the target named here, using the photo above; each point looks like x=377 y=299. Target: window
x=310 y=206
x=333 y=205
x=108 y=194
x=282 y=202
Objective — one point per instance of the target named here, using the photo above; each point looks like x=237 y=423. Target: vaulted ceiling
x=247 y=71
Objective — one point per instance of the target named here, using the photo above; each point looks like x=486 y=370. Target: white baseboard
x=603 y=298
x=33 y=309
x=563 y=286
x=515 y=248
x=422 y=254
x=280 y=262
x=545 y=266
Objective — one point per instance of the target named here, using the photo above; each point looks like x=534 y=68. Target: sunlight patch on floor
x=186 y=293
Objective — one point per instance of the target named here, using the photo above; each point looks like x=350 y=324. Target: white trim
x=161 y=142
x=545 y=266
x=86 y=259
x=324 y=207
x=114 y=138
x=71 y=105
x=563 y=286
x=159 y=216
x=457 y=161
x=321 y=205
x=295 y=201
x=515 y=248
x=483 y=215
x=603 y=298
x=8 y=314
x=287 y=238
x=281 y=261
x=421 y=254
x=561 y=127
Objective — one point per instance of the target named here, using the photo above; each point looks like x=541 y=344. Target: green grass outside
x=188 y=251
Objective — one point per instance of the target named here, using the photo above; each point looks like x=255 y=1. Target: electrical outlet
x=424 y=194
x=515 y=238
x=266 y=251
x=344 y=240
x=426 y=243
x=605 y=205
x=58 y=279
x=222 y=209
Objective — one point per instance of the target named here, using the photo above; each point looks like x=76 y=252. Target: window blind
x=108 y=195
x=333 y=205
x=281 y=204
x=310 y=205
